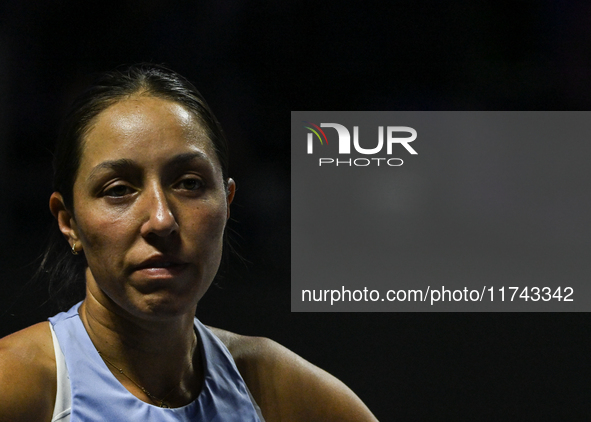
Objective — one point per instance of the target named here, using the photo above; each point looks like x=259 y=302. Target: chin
x=161 y=305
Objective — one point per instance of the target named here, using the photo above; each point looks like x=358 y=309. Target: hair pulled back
x=65 y=272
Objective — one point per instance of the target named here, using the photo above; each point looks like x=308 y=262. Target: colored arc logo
x=315 y=132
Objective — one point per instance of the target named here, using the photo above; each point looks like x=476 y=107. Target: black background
x=255 y=61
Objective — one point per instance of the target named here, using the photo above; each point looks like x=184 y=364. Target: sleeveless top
x=88 y=391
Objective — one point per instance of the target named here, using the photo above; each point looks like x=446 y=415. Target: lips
x=160 y=266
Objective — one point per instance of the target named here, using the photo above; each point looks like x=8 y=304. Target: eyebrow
x=180 y=159
x=125 y=164
x=121 y=165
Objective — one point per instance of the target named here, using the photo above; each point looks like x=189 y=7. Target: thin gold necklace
x=160 y=402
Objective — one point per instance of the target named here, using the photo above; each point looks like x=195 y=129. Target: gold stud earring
x=74 y=251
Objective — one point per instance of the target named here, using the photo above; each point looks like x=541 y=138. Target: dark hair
x=64 y=270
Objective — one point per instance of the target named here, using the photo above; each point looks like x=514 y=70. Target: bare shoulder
x=287 y=387
x=27 y=375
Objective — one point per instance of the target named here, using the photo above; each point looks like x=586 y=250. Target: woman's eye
x=117 y=191
x=190 y=184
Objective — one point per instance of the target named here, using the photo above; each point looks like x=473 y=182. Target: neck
x=158 y=355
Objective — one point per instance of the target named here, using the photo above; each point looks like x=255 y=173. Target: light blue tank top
x=96 y=395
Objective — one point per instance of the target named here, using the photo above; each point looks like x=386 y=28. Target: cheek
x=108 y=235
x=97 y=223
x=103 y=236
x=207 y=227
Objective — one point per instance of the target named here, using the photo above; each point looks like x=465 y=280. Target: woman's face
x=150 y=207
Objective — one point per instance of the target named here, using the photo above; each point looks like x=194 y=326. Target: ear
x=230 y=191
x=65 y=219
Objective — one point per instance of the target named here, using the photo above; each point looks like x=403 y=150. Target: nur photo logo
x=388 y=137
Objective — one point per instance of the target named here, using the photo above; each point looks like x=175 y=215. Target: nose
x=160 y=219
